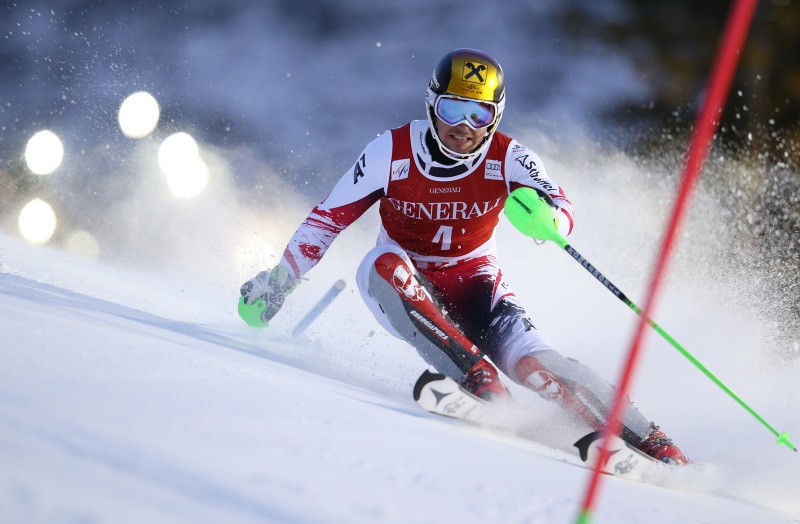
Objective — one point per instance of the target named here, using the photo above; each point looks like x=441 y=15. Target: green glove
x=533 y=213
x=263 y=295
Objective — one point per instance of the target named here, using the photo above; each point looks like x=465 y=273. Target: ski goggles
x=453 y=110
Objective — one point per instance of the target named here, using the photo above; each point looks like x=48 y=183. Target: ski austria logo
x=494 y=170
x=405 y=283
x=546 y=385
x=400 y=169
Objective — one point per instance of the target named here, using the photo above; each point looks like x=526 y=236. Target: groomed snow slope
x=131 y=397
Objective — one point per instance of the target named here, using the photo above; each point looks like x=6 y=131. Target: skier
x=433 y=278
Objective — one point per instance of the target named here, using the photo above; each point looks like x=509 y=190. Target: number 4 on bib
x=445 y=236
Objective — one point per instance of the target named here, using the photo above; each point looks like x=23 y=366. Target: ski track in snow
x=113 y=411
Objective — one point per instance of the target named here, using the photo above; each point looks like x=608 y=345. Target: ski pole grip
x=252 y=314
x=531 y=212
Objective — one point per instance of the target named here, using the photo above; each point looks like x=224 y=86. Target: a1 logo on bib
x=400 y=169
x=494 y=170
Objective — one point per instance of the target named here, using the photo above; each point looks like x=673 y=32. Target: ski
x=624 y=460
x=441 y=395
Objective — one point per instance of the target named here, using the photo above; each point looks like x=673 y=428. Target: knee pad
x=363 y=276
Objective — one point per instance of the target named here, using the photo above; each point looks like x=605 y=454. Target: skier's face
x=460 y=138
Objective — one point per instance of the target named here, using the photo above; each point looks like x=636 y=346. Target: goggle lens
x=453 y=111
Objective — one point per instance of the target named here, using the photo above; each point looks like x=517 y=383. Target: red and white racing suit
x=442 y=219
x=440 y=215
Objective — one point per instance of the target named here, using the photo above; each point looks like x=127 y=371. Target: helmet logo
x=475 y=70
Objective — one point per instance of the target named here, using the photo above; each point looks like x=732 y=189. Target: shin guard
x=577 y=389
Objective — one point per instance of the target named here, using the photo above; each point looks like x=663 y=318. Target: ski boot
x=483 y=382
x=660 y=447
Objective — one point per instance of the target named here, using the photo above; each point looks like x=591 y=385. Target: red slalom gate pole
x=721 y=76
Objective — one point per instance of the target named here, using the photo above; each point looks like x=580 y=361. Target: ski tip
x=584 y=442
x=426 y=378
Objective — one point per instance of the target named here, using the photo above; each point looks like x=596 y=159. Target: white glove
x=271 y=287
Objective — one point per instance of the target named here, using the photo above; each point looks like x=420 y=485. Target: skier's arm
x=318 y=231
x=524 y=168
x=269 y=289
x=357 y=190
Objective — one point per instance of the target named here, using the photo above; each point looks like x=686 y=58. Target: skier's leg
x=395 y=294
x=523 y=354
x=477 y=299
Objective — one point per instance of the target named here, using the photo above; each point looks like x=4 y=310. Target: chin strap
x=437 y=169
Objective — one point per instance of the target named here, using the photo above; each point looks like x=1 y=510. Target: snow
x=131 y=392
x=130 y=396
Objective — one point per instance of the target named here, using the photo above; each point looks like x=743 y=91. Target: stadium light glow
x=37 y=222
x=44 y=153
x=138 y=115
x=83 y=243
x=179 y=159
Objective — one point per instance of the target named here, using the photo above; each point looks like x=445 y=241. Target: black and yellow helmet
x=467 y=74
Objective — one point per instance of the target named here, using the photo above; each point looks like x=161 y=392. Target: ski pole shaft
x=782 y=437
x=533 y=217
x=319 y=307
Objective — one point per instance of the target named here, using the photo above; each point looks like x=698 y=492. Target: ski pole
x=319 y=307
x=532 y=215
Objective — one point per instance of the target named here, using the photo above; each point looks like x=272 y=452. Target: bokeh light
x=82 y=243
x=44 y=153
x=37 y=222
x=138 y=115
x=179 y=159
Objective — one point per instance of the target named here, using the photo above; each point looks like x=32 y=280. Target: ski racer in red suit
x=434 y=279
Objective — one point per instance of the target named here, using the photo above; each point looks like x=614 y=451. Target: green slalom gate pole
x=533 y=216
